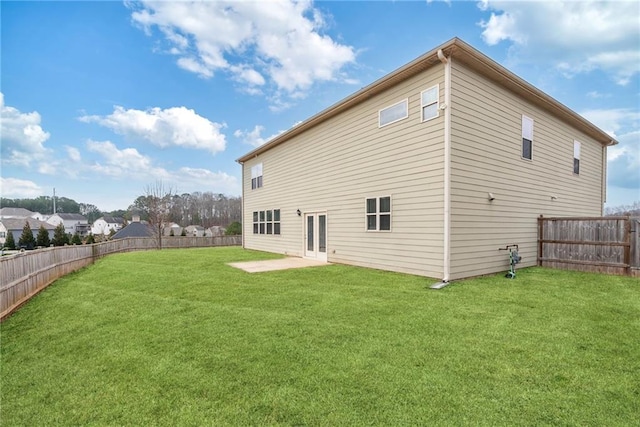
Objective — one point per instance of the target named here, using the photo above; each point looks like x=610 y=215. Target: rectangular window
x=576 y=157
x=393 y=113
x=429 y=102
x=266 y=222
x=527 y=137
x=262 y=222
x=378 y=214
x=276 y=221
x=269 y=222
x=255 y=223
x=256 y=176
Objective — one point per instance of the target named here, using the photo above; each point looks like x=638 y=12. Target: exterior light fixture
x=298 y=212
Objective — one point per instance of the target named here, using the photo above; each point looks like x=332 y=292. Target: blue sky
x=101 y=99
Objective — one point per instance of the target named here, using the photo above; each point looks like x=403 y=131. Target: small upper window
x=256 y=176
x=393 y=113
x=576 y=157
x=429 y=101
x=527 y=137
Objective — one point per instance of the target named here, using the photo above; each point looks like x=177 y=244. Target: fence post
x=540 y=235
x=627 y=248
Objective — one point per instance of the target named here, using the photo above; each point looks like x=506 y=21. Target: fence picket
x=606 y=245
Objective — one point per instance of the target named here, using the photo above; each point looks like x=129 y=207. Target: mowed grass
x=177 y=337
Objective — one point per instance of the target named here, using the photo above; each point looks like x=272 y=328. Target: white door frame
x=315 y=245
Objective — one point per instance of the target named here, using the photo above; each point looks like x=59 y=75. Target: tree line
x=199 y=208
x=44 y=205
x=205 y=209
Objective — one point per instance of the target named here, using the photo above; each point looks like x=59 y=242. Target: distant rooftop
x=15 y=213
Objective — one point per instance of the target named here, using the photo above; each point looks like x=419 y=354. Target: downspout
x=447 y=166
x=242 y=207
x=604 y=179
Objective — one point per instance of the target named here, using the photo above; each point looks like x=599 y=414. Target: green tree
x=27 y=240
x=91 y=212
x=76 y=240
x=43 y=237
x=10 y=242
x=112 y=233
x=90 y=239
x=171 y=233
x=234 y=229
x=60 y=237
x=184 y=232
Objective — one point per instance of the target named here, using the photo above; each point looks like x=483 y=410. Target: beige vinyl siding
x=336 y=165
x=486 y=157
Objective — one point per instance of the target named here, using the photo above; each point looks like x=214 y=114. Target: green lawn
x=176 y=337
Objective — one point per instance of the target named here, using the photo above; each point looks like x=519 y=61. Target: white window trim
x=437 y=102
x=378 y=213
x=523 y=136
x=404 y=101
x=256 y=173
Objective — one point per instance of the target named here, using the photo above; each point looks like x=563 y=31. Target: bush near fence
x=25 y=274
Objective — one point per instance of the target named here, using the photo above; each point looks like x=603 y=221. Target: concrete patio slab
x=276 y=264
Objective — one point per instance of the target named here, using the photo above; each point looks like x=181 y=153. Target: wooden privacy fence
x=25 y=274
x=604 y=244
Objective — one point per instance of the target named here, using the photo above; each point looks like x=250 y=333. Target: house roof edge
x=468 y=55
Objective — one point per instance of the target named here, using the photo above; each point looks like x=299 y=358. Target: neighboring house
x=73 y=223
x=429 y=170
x=194 y=230
x=134 y=229
x=40 y=217
x=105 y=224
x=177 y=230
x=215 y=231
x=15 y=226
x=8 y=213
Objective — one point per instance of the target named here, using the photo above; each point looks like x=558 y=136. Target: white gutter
x=447 y=166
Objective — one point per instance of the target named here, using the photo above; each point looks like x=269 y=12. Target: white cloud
x=614 y=120
x=192 y=179
x=254 y=137
x=73 y=153
x=48 y=168
x=624 y=163
x=19 y=188
x=123 y=163
x=284 y=40
x=576 y=36
x=191 y=64
x=22 y=136
x=177 y=126
x=594 y=94
x=130 y=164
x=623 y=168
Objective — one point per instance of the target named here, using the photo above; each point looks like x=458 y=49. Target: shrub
x=234 y=229
x=10 y=242
x=43 y=237
x=27 y=240
x=60 y=238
